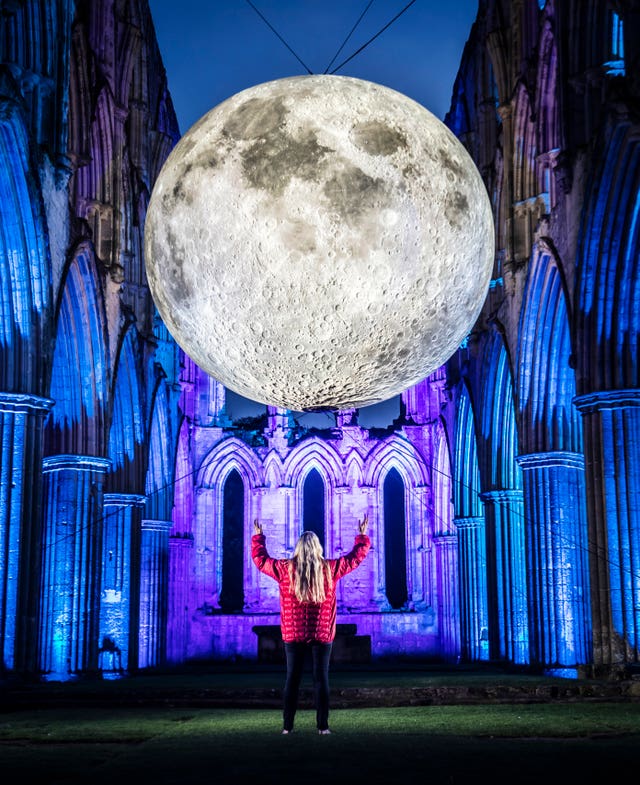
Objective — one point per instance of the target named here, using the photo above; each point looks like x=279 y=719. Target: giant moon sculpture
x=319 y=242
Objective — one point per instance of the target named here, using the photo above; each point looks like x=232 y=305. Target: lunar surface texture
x=319 y=242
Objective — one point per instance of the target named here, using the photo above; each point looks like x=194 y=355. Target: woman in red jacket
x=308 y=611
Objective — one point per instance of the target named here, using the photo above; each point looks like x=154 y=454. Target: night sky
x=212 y=49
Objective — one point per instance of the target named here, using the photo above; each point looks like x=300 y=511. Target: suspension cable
x=270 y=26
x=348 y=37
x=344 y=62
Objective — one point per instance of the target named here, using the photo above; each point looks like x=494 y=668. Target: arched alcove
x=127 y=432
x=546 y=381
x=313 y=504
x=79 y=379
x=395 y=556
x=161 y=461
x=25 y=273
x=472 y=546
x=232 y=591
x=466 y=470
x=504 y=512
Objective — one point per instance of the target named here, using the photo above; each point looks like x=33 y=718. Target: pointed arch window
x=231 y=593
x=395 y=550
x=313 y=512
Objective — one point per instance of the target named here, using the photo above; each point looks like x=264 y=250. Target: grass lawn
x=548 y=743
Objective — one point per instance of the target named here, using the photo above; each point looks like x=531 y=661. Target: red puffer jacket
x=302 y=622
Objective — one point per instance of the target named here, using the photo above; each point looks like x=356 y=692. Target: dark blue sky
x=214 y=48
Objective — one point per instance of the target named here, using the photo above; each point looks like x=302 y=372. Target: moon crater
x=319 y=242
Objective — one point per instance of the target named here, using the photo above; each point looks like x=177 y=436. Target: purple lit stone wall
x=353 y=464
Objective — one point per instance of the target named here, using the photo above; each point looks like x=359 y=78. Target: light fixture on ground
x=319 y=242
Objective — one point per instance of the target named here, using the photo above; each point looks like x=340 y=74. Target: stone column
x=472 y=561
x=419 y=565
x=446 y=546
x=611 y=421
x=154 y=579
x=21 y=423
x=207 y=564
x=179 y=611
x=557 y=563
x=72 y=565
x=378 y=599
x=506 y=576
x=118 y=649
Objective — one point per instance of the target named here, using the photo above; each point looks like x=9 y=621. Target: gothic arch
x=466 y=469
x=230 y=455
x=80 y=373
x=504 y=514
x=315 y=501
x=546 y=382
x=25 y=270
x=227 y=455
x=400 y=456
x=233 y=532
x=398 y=452
x=273 y=469
x=393 y=492
x=470 y=522
x=354 y=468
x=126 y=432
x=499 y=432
x=161 y=463
x=316 y=453
x=609 y=262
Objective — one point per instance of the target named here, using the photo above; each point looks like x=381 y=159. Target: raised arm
x=358 y=553
x=259 y=553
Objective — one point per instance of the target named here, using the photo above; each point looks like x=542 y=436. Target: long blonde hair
x=308 y=569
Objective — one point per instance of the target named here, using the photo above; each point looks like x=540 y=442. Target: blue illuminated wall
x=503 y=498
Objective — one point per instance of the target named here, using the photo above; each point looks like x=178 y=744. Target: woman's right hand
x=257 y=527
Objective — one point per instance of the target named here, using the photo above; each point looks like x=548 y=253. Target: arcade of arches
x=503 y=499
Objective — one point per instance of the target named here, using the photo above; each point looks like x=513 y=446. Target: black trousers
x=296 y=654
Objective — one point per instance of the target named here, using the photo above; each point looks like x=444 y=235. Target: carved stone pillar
x=446 y=546
x=118 y=651
x=180 y=569
x=154 y=579
x=557 y=564
x=472 y=561
x=611 y=421
x=72 y=565
x=21 y=422
x=506 y=576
